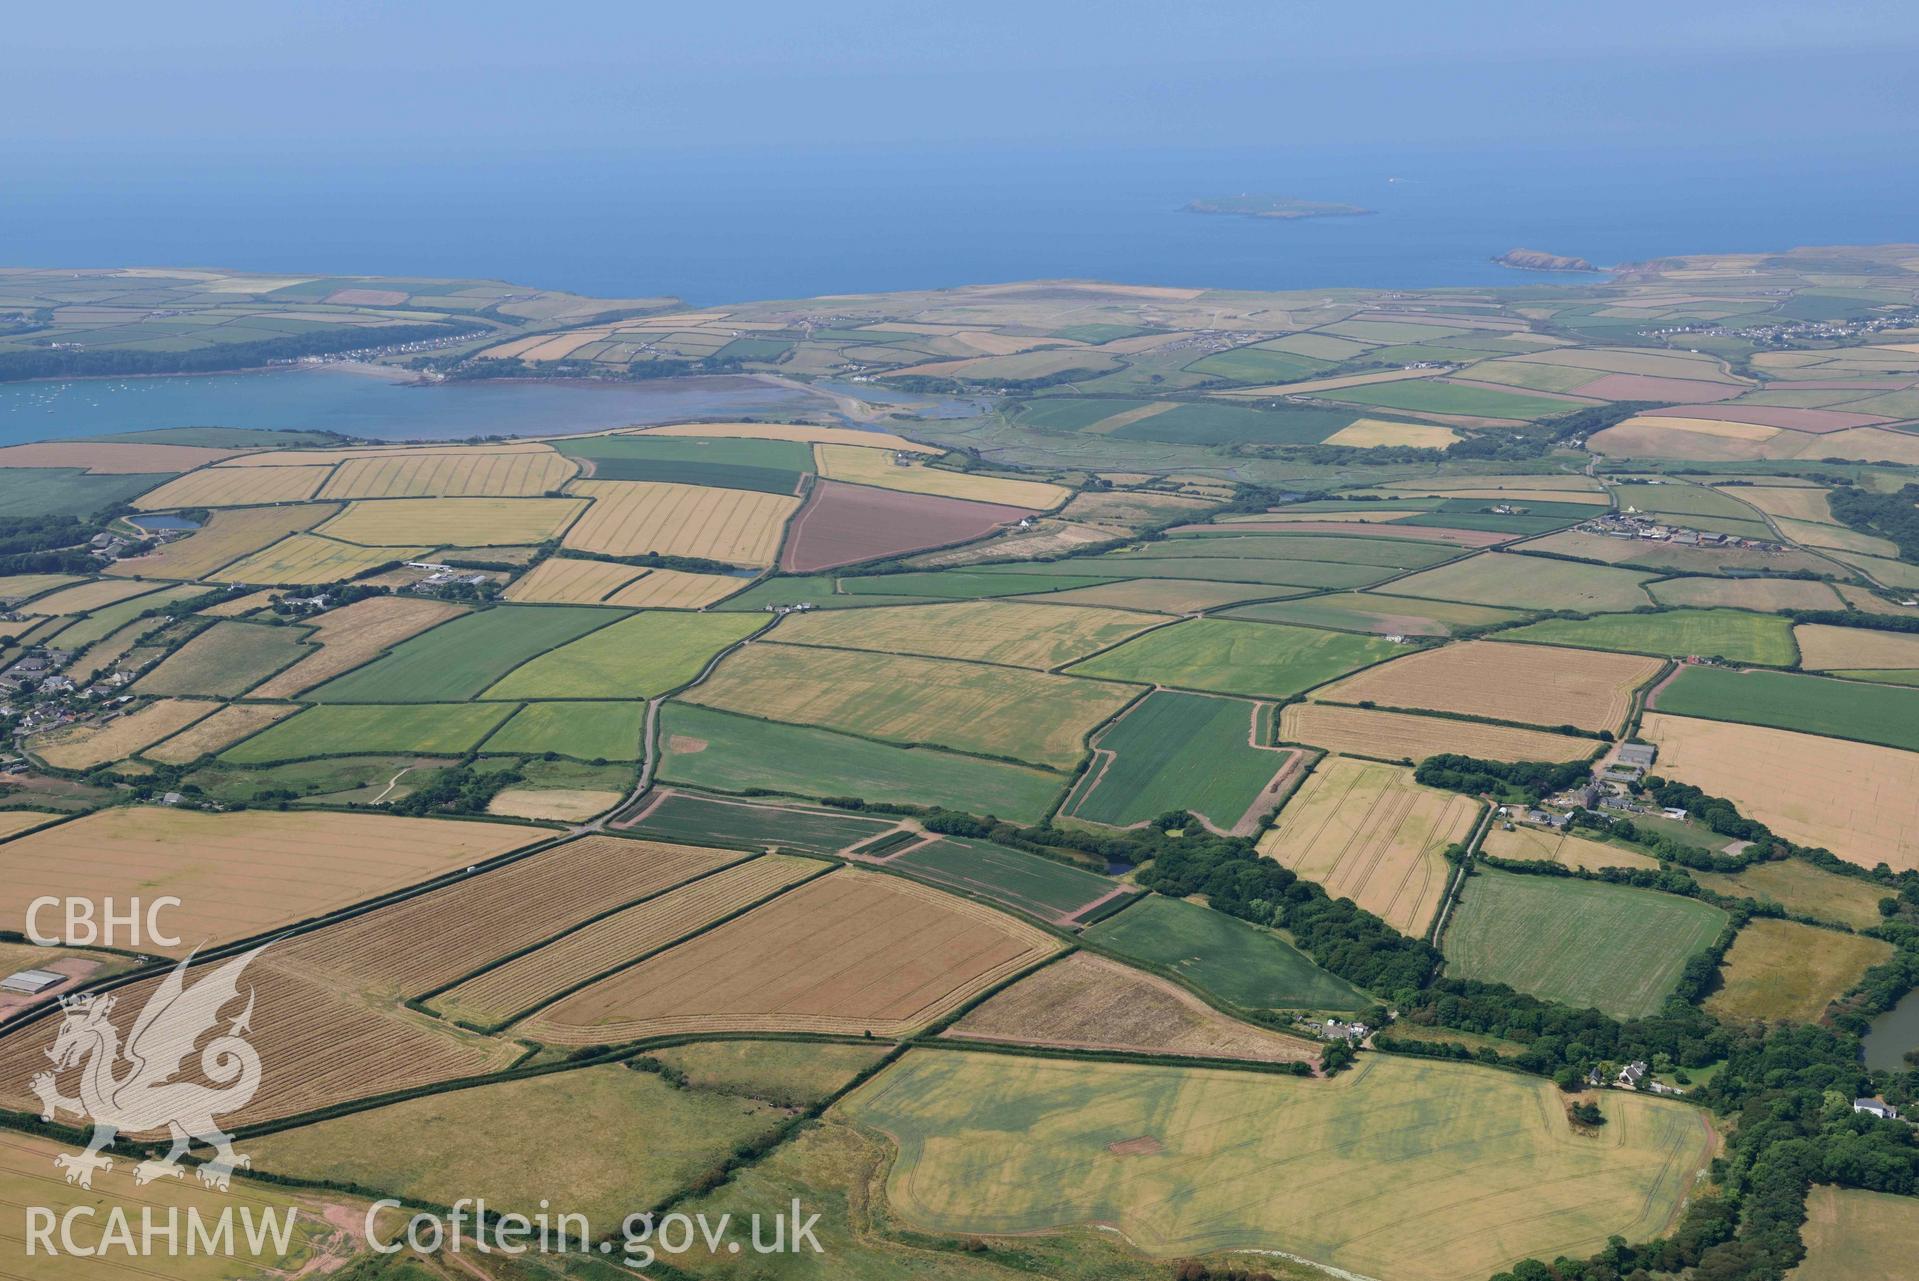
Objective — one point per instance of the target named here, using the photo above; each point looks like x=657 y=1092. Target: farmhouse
x=1876 y=1107
x=1632 y=1074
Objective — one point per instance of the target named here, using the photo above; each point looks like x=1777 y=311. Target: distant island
x=1274 y=207
x=1540 y=260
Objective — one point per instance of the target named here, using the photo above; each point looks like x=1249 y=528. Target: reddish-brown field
x=843 y=524
x=1814 y=421
x=1651 y=387
x=432 y=939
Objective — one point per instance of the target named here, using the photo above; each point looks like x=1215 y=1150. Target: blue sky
x=123 y=79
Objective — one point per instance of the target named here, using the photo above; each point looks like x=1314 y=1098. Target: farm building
x=1639 y=755
x=31 y=982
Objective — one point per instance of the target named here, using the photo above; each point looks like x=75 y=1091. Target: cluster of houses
x=1786 y=333
x=1608 y=791
x=1633 y=523
x=1636 y=1075
x=1337 y=1030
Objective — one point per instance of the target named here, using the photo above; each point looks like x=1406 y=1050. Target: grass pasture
x=1365 y=612
x=1185 y=1161
x=226 y=659
x=1731 y=634
x=1053 y=892
x=1582 y=943
x=1887 y=715
x=1540 y=845
x=1533 y=685
x=769 y=466
x=1783 y=970
x=1017 y=634
x=639 y=656
x=1762 y=594
x=439 y=729
x=583 y=730
x=1528 y=583
x=733 y=753
x=1179 y=751
x=353 y=634
x=1230 y=656
x=691 y=818
x=991 y=711
x=1239 y=963
x=1368 y=832
x=1855 y=648
x=1804 y=889
x=462 y=658
x=1436 y=396
x=1852 y=1234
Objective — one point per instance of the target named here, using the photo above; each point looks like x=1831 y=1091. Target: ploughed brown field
x=842 y=524
x=1089 y=1002
x=849 y=953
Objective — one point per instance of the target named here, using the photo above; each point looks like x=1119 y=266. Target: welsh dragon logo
x=130 y=1088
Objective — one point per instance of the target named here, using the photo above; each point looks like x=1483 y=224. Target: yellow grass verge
x=1823 y=648
x=1394 y=736
x=1855 y=799
x=306 y=558
x=630 y=518
x=1371 y=433
x=352 y=634
x=1369 y=833
x=1541 y=845
x=234 y=487
x=470 y=522
x=805 y=433
x=850 y=953
x=1091 y=1002
x=241 y=874
x=80 y=747
x=1548 y=686
x=881 y=468
x=474 y=473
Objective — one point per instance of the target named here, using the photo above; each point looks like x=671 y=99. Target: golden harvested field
x=1855 y=799
x=805 y=433
x=1549 y=686
x=526 y=981
x=14 y=822
x=1370 y=433
x=1166 y=595
x=218 y=732
x=849 y=953
x=1851 y=1234
x=111 y=457
x=240 y=604
x=1785 y=970
x=1369 y=833
x=244 y=873
x=1765 y=595
x=1823 y=648
x=470 y=522
x=317 y=1048
x=1041 y=636
x=1542 y=845
x=21 y=586
x=567 y=805
x=880 y=468
x=86 y=597
x=81 y=747
x=234 y=487
x=1307 y=386
x=631 y=517
x=560 y=580
x=427 y=941
x=1090 y=1002
x=1393 y=736
x=353 y=634
x=472 y=473
x=308 y=558
x=227 y=536
x=676 y=589
x=992 y=711
x=1799 y=503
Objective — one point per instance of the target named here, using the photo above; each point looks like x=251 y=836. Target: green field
x=770 y=466
x=1387 y=553
x=1034 y=885
x=691 y=819
x=1529 y=583
x=1178 y=751
x=1432 y=396
x=1198 y=567
x=1884 y=714
x=1851 y=1235
x=1581 y=943
x=443 y=729
x=227 y=658
x=731 y=753
x=460 y=659
x=1413 y=1170
x=1233 y=657
x=1365 y=612
x=586 y=731
x=638 y=657
x=599 y=1141
x=966 y=584
x=68 y=491
x=1676 y=633
x=1242 y=964
x=106 y=620
x=1258 y=365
